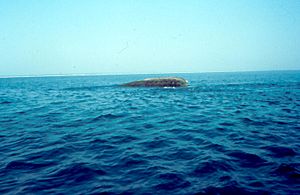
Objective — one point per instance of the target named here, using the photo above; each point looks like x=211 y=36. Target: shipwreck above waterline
x=158 y=82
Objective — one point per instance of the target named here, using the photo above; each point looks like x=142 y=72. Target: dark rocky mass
x=159 y=82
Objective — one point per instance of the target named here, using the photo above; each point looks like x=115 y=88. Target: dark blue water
x=227 y=133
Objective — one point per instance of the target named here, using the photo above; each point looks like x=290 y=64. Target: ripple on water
x=290 y=171
x=280 y=151
x=5 y=102
x=171 y=181
x=231 y=188
x=233 y=133
x=26 y=166
x=204 y=169
x=246 y=159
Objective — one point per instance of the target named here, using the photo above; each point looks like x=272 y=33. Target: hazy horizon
x=125 y=74
x=148 y=37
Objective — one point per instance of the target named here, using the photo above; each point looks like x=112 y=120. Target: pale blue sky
x=147 y=36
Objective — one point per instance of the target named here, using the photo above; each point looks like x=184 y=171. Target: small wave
x=101 y=145
x=280 y=151
x=171 y=181
x=156 y=144
x=23 y=165
x=181 y=154
x=5 y=102
x=131 y=161
x=105 y=117
x=205 y=168
x=249 y=121
x=76 y=173
x=123 y=139
x=227 y=124
x=247 y=159
x=257 y=184
x=289 y=171
x=55 y=153
x=215 y=147
x=85 y=88
x=70 y=176
x=231 y=188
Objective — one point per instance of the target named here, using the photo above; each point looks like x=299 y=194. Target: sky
x=148 y=36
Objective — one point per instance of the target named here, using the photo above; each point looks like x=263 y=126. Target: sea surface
x=227 y=133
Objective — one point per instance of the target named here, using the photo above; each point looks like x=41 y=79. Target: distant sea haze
x=226 y=133
x=131 y=73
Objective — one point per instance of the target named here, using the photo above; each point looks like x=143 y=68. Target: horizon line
x=124 y=74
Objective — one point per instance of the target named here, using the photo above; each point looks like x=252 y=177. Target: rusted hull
x=159 y=82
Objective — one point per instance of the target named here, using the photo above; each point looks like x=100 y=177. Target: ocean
x=227 y=133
